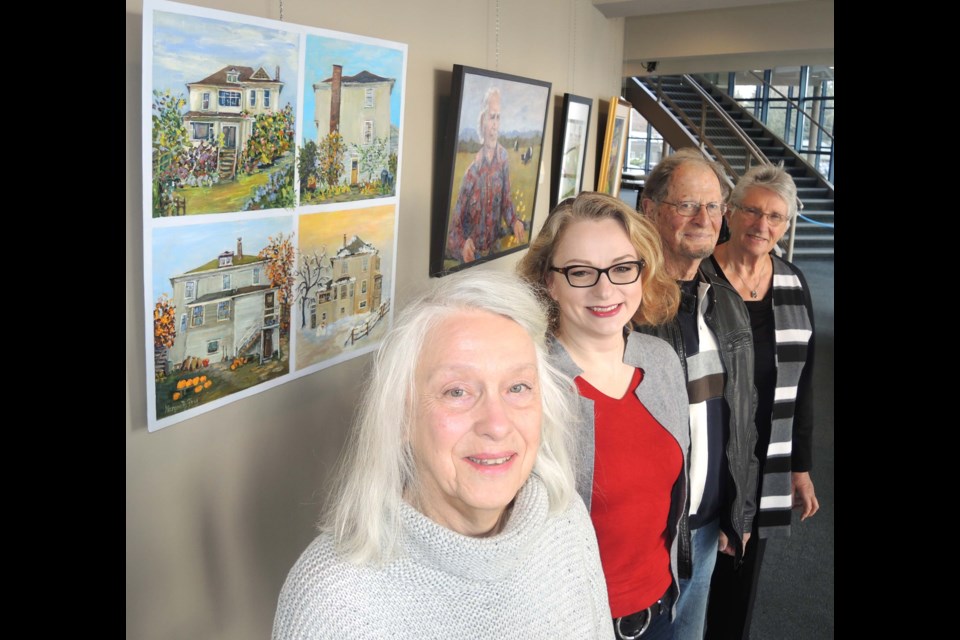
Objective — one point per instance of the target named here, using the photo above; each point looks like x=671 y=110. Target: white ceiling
x=630 y=8
x=691 y=36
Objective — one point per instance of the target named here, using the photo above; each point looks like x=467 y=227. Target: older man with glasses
x=685 y=197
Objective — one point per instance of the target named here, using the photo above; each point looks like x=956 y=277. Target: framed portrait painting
x=490 y=165
x=614 y=145
x=571 y=154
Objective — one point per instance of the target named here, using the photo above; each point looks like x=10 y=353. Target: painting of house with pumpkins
x=221 y=318
x=223 y=111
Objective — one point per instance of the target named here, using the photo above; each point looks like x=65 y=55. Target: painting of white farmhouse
x=224 y=97
x=343 y=283
x=221 y=315
x=352 y=113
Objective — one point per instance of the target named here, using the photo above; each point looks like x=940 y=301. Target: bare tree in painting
x=309 y=274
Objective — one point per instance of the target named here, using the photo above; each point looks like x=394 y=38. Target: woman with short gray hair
x=776 y=295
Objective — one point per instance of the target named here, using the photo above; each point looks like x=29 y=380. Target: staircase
x=227 y=164
x=250 y=340
x=691 y=112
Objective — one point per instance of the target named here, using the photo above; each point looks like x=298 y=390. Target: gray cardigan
x=663 y=391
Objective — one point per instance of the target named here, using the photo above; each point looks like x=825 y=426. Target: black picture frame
x=477 y=179
x=570 y=152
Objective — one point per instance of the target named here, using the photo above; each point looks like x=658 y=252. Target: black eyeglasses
x=688 y=209
x=582 y=276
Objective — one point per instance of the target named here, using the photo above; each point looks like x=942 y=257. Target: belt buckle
x=643 y=628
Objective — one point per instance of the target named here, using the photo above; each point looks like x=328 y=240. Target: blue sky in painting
x=522 y=106
x=190 y=48
x=323 y=53
x=182 y=248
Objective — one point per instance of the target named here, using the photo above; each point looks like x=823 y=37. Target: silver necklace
x=754 y=291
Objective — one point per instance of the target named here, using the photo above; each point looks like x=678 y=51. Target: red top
x=636 y=465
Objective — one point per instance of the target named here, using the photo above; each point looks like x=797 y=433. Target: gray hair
x=657 y=184
x=378 y=464
x=491 y=91
x=769 y=177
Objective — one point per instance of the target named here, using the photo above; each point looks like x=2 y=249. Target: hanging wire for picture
x=573 y=62
x=497 y=66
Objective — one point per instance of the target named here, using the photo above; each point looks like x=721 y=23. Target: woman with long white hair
x=456 y=515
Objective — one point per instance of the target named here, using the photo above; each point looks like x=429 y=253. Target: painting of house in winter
x=222 y=324
x=352 y=121
x=222 y=116
x=342 y=296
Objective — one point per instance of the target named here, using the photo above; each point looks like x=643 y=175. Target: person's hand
x=804 y=495
x=468 y=251
x=724 y=545
x=519 y=232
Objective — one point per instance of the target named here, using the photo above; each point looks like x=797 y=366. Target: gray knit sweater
x=539 y=578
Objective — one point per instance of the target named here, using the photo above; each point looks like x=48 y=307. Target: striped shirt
x=708 y=409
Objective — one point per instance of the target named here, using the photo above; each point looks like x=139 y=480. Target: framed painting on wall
x=571 y=154
x=614 y=144
x=489 y=168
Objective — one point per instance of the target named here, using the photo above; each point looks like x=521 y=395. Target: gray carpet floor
x=795 y=598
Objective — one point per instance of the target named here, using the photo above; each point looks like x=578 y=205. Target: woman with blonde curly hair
x=600 y=265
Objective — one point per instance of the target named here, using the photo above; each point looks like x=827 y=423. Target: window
x=202 y=131
x=213 y=346
x=205 y=101
x=197 y=316
x=363 y=304
x=363 y=286
x=323 y=317
x=183 y=323
x=256 y=275
x=233 y=76
x=343 y=291
x=266 y=98
x=352 y=289
x=368 y=98
x=368 y=132
x=645 y=146
x=313 y=315
x=343 y=267
x=223 y=310
x=226 y=281
x=190 y=289
x=252 y=98
x=229 y=98
x=366 y=263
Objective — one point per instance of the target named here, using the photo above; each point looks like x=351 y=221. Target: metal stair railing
x=708 y=104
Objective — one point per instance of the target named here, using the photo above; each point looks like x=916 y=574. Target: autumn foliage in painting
x=279 y=256
x=164 y=323
x=272 y=137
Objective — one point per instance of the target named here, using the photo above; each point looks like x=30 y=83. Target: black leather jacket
x=729 y=320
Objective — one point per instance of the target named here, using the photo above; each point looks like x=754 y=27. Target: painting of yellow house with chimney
x=223 y=116
x=352 y=114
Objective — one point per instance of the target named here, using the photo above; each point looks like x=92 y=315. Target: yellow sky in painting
x=373 y=224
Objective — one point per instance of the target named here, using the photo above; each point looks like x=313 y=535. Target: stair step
x=813 y=256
